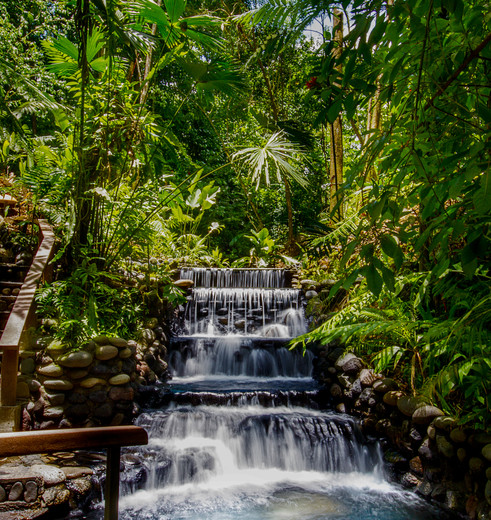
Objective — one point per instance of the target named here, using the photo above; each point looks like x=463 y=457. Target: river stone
x=34 y=385
x=53 y=412
x=100 y=396
x=51 y=475
x=309 y=295
x=444 y=446
x=426 y=451
x=117 y=419
x=78 y=411
x=487 y=492
x=457 y=435
x=476 y=464
x=101 y=340
x=349 y=363
x=23 y=391
x=104 y=411
x=409 y=480
x=391 y=397
x=125 y=353
x=407 y=405
x=16 y=492
x=120 y=379
x=431 y=431
x=106 y=352
x=31 y=491
x=51 y=370
x=483 y=438
x=56 y=399
x=58 y=384
x=425 y=414
x=101 y=370
x=345 y=380
x=184 y=283
x=56 y=348
x=148 y=335
x=486 y=452
x=368 y=377
x=151 y=323
x=341 y=408
x=3 y=494
x=335 y=390
x=75 y=472
x=118 y=342
x=416 y=466
x=120 y=393
x=461 y=454
x=488 y=473
x=78 y=373
x=27 y=366
x=56 y=495
x=385 y=385
x=76 y=398
x=78 y=359
x=444 y=423
x=92 y=381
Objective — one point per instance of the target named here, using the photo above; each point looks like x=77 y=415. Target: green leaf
x=374 y=280
x=175 y=9
x=334 y=109
x=482 y=197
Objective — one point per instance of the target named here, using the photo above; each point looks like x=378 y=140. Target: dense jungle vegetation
x=350 y=139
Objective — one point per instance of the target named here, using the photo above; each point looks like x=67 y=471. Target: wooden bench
x=110 y=438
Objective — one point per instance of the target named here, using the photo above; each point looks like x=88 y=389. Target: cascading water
x=243 y=436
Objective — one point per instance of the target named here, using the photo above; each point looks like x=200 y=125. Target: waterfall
x=243 y=434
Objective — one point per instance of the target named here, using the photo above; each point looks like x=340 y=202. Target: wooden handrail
x=21 y=315
x=108 y=437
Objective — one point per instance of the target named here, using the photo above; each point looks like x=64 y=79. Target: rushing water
x=243 y=436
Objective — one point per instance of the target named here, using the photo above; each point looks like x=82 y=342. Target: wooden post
x=10 y=366
x=111 y=490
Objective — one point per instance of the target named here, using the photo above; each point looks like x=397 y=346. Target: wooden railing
x=22 y=316
x=110 y=438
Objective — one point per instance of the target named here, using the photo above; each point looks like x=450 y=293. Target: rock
x=78 y=359
x=416 y=466
x=368 y=377
x=151 y=323
x=125 y=353
x=391 y=397
x=483 y=438
x=104 y=411
x=106 y=352
x=98 y=397
x=54 y=412
x=117 y=419
x=488 y=473
x=51 y=475
x=78 y=373
x=409 y=480
x=56 y=495
x=476 y=465
x=101 y=340
x=47 y=425
x=457 y=435
x=148 y=335
x=444 y=423
x=120 y=393
x=425 y=414
x=34 y=386
x=487 y=492
x=92 y=381
x=415 y=436
x=120 y=379
x=335 y=391
x=461 y=454
x=310 y=294
x=118 y=342
x=341 y=408
x=31 y=491
x=426 y=451
x=486 y=452
x=3 y=494
x=16 y=492
x=80 y=486
x=78 y=411
x=27 y=366
x=240 y=324
x=184 y=283
x=76 y=398
x=56 y=399
x=444 y=446
x=101 y=369
x=431 y=432
x=366 y=395
x=385 y=385
x=349 y=364
x=51 y=370
x=74 y=472
x=56 y=348
x=58 y=384
x=345 y=380
x=23 y=391
x=425 y=488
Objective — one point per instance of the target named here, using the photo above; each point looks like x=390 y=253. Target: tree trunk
x=336 y=134
x=288 y=196
x=148 y=66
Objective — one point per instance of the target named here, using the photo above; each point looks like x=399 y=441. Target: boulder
x=385 y=385
x=90 y=382
x=368 y=377
x=31 y=491
x=457 y=435
x=184 y=283
x=391 y=397
x=444 y=446
x=118 y=342
x=444 y=423
x=125 y=353
x=51 y=475
x=16 y=492
x=486 y=452
x=407 y=405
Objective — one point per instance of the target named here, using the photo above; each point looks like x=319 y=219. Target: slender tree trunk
x=336 y=134
x=148 y=66
x=288 y=196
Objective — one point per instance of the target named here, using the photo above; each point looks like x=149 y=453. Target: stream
x=245 y=435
